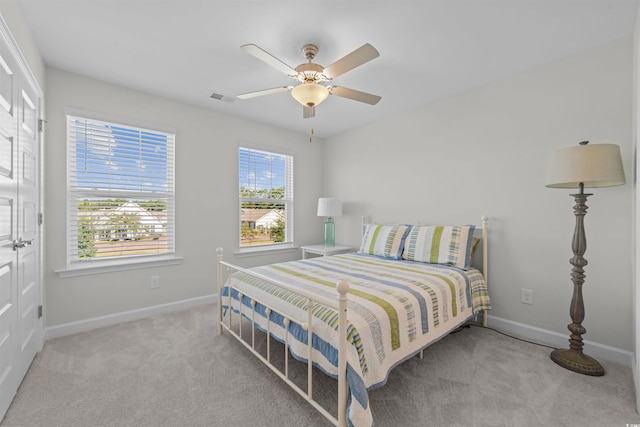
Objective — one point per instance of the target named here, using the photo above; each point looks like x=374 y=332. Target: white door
x=20 y=284
x=9 y=378
x=29 y=291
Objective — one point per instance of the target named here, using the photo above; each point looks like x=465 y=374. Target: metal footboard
x=340 y=305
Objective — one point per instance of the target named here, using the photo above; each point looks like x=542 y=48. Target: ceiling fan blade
x=308 y=112
x=266 y=57
x=356 y=95
x=264 y=92
x=361 y=55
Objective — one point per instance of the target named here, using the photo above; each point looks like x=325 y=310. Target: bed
x=356 y=316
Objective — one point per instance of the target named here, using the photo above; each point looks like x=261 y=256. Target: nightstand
x=324 y=250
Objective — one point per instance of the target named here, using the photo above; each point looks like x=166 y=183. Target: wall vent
x=219 y=96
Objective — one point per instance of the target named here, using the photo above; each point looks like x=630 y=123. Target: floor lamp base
x=577 y=361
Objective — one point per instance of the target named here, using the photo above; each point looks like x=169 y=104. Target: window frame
x=288 y=245
x=78 y=267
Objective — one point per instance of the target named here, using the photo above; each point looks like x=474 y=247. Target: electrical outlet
x=526 y=296
x=155 y=282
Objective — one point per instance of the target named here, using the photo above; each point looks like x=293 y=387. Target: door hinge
x=41 y=123
x=39 y=312
x=40 y=218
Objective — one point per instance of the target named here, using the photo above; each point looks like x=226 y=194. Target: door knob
x=21 y=243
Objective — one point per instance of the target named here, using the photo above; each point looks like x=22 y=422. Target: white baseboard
x=554 y=339
x=543 y=336
x=125 y=316
x=634 y=370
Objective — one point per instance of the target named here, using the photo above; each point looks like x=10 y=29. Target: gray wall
x=636 y=228
x=484 y=152
x=11 y=12
x=206 y=197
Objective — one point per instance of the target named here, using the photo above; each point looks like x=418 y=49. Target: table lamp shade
x=594 y=165
x=329 y=207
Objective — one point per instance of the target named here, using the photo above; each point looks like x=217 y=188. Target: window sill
x=110 y=266
x=269 y=250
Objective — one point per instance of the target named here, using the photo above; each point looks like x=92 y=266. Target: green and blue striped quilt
x=396 y=308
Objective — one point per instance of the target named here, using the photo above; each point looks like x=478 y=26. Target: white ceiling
x=188 y=49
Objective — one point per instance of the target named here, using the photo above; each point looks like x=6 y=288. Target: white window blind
x=266 y=198
x=121 y=190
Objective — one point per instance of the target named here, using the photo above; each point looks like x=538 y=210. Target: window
x=266 y=198
x=121 y=191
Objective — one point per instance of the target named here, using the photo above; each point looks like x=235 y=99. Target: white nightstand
x=324 y=250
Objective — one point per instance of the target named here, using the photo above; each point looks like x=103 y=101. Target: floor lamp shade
x=596 y=165
x=329 y=208
x=582 y=166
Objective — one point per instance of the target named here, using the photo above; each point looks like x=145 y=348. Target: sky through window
x=118 y=158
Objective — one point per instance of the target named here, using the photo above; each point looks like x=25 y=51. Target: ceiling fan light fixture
x=310 y=94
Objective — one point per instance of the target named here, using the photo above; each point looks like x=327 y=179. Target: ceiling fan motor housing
x=310 y=72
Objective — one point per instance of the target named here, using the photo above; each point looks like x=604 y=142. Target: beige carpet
x=173 y=370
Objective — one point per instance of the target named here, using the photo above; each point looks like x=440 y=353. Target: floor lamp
x=582 y=166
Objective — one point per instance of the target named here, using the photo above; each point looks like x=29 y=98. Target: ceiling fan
x=310 y=90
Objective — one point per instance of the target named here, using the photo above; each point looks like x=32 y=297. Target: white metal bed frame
x=339 y=305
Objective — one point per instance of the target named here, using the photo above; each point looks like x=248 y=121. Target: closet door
x=20 y=259
x=29 y=292
x=9 y=341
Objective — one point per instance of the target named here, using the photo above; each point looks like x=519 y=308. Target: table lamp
x=329 y=208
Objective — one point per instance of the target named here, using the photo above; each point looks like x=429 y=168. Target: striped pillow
x=449 y=245
x=384 y=240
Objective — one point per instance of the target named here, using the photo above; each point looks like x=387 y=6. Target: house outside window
x=121 y=191
x=266 y=199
